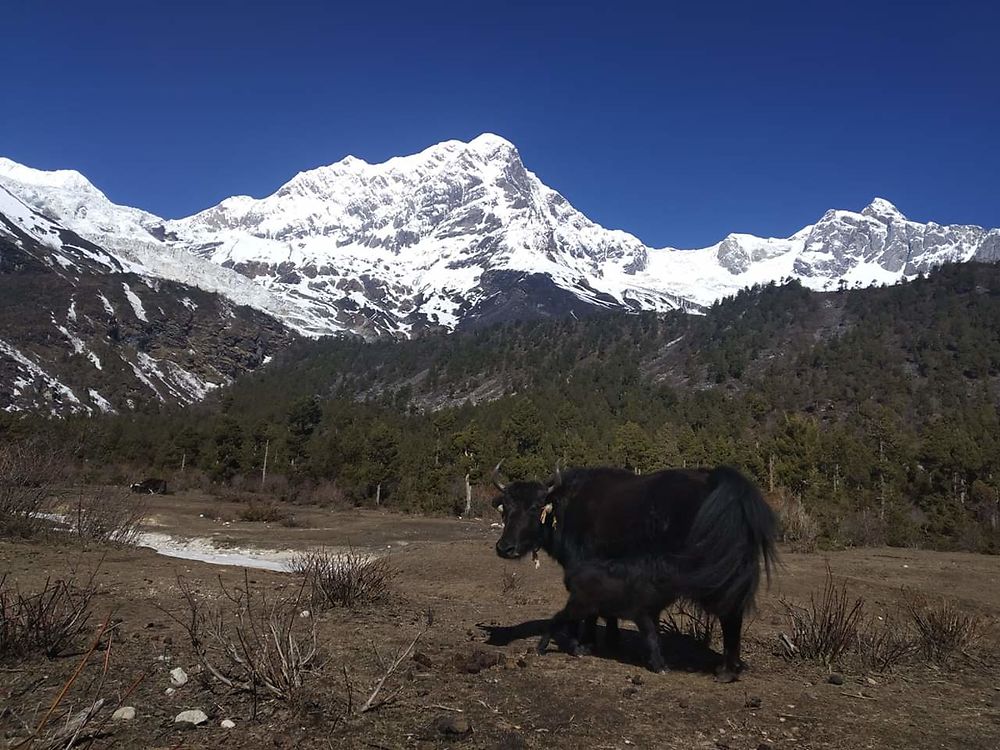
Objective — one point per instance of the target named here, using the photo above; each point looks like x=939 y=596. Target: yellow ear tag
x=545 y=513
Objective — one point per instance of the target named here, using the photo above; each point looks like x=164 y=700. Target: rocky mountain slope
x=461 y=234
x=81 y=332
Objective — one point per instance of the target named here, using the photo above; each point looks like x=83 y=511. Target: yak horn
x=496 y=478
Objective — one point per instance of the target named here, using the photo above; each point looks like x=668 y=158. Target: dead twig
x=374 y=702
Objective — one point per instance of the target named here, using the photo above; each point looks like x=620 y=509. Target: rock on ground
x=195 y=716
x=178 y=677
x=125 y=713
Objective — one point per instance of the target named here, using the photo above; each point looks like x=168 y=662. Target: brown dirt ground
x=525 y=700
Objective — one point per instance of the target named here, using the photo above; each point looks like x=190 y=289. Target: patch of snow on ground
x=36 y=371
x=107 y=305
x=133 y=299
x=102 y=403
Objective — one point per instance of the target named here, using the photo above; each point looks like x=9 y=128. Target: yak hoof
x=725 y=676
x=581 y=649
x=543 y=646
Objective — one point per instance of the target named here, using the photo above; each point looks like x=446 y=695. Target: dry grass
x=689 y=621
x=344 y=579
x=510 y=582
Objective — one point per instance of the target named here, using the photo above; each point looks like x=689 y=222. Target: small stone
x=630 y=692
x=125 y=713
x=753 y=701
x=682 y=703
x=836 y=679
x=227 y=724
x=453 y=726
x=305 y=614
x=169 y=691
x=870 y=681
x=763 y=746
x=636 y=679
x=178 y=677
x=195 y=717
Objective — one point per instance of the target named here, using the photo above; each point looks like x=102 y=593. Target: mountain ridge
x=416 y=244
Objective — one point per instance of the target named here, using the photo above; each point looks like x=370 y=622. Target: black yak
x=150 y=487
x=631 y=545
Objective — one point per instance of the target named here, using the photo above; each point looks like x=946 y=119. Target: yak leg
x=732 y=625
x=559 y=627
x=612 y=635
x=588 y=636
x=650 y=632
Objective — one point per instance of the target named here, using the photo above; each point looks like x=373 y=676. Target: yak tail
x=731 y=538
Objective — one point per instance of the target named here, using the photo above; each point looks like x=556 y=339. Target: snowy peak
x=883 y=210
x=436 y=239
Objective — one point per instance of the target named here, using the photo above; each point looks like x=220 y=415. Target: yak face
x=521 y=504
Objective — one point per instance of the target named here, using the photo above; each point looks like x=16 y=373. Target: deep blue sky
x=679 y=122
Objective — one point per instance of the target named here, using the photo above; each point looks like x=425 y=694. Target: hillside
x=874 y=412
x=81 y=332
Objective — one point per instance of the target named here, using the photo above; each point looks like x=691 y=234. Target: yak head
x=524 y=507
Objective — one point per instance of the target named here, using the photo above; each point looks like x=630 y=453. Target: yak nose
x=505 y=549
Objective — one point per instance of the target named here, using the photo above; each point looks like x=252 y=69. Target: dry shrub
x=834 y=627
x=885 y=642
x=344 y=579
x=112 y=515
x=49 y=621
x=863 y=528
x=28 y=475
x=796 y=527
x=829 y=626
x=190 y=479
x=942 y=629
x=323 y=493
x=248 y=641
x=262 y=513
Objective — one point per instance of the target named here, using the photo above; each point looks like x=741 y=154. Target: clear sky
x=679 y=122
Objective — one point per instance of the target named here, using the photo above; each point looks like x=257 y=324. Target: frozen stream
x=203 y=550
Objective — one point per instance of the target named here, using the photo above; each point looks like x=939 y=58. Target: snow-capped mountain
x=81 y=332
x=463 y=233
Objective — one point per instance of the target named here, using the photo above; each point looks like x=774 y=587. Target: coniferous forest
x=867 y=416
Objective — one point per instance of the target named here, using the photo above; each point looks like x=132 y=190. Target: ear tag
x=545 y=513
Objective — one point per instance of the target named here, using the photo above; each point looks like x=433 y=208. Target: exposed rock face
x=79 y=333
